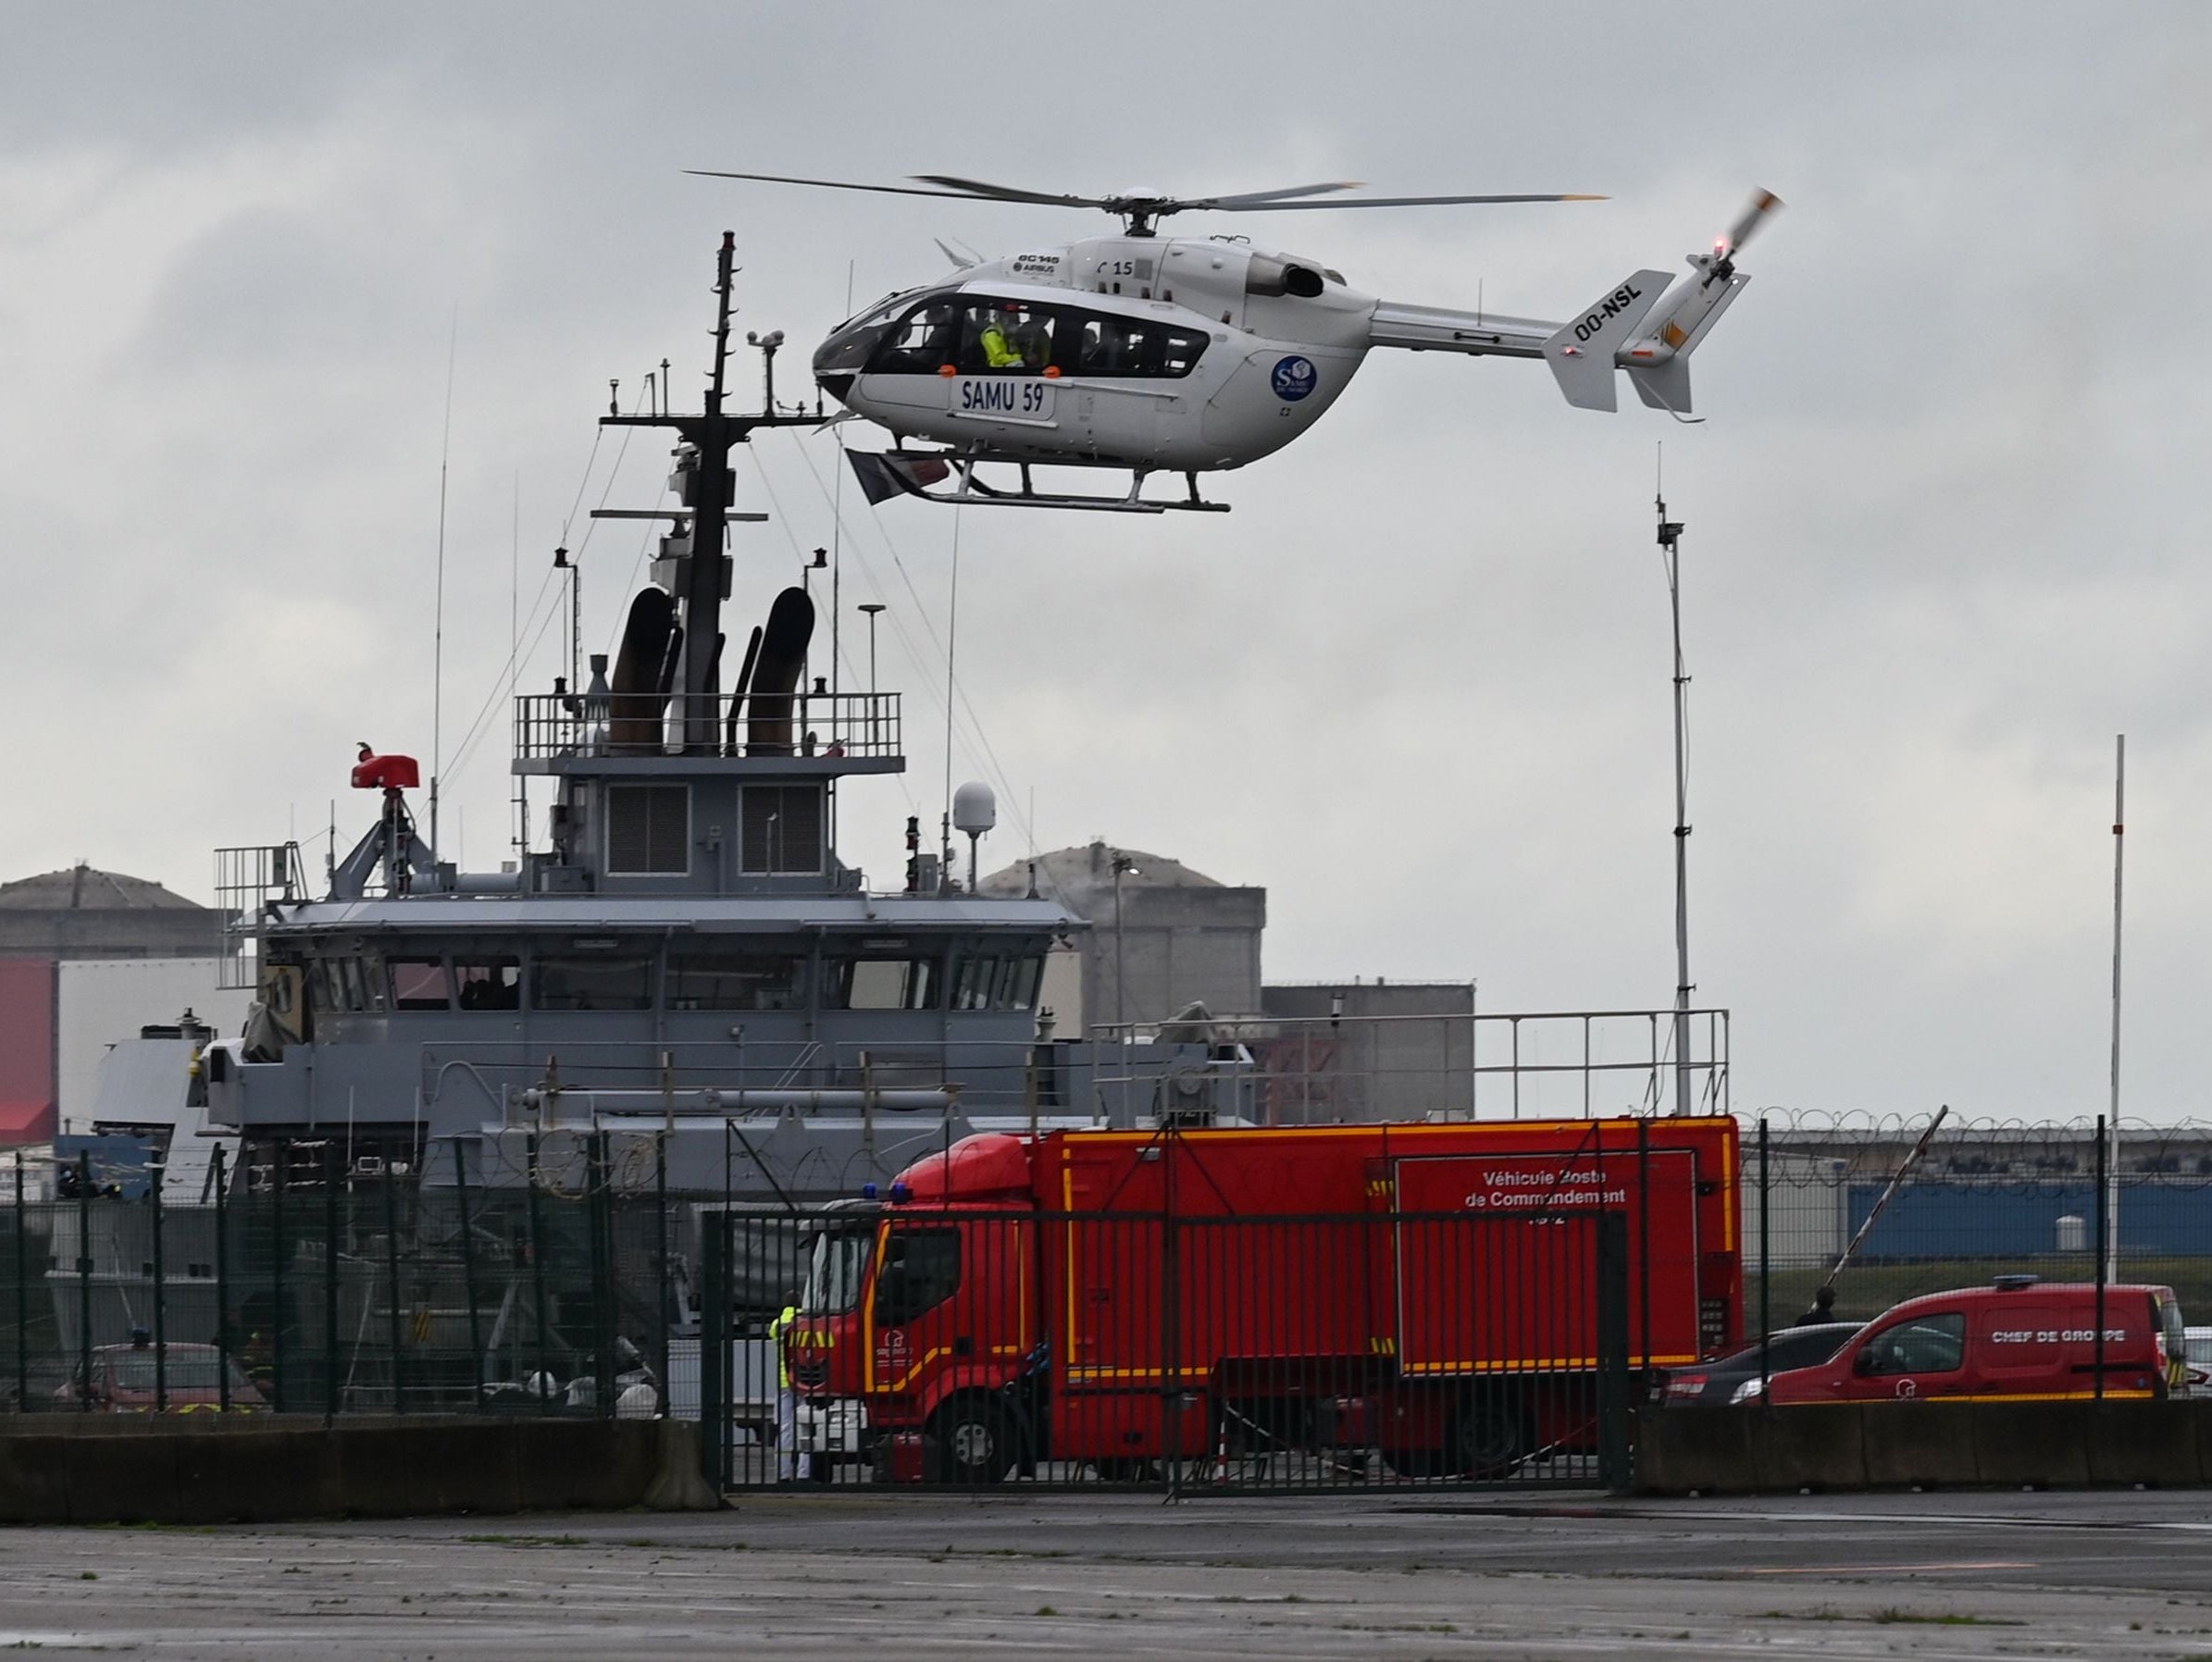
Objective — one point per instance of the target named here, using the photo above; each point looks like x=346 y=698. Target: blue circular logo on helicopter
x=1294 y=378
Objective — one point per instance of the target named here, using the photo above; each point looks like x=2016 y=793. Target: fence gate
x=1358 y=1352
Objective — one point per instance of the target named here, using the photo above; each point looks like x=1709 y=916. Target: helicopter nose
x=837 y=386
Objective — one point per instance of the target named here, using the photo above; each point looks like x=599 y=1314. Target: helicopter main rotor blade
x=981 y=188
x=1257 y=198
x=835 y=184
x=1235 y=206
x=1762 y=203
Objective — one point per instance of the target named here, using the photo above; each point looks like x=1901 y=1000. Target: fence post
x=1766 y=1263
x=538 y=1274
x=660 y=1213
x=330 y=1372
x=468 y=1274
x=154 y=1173
x=276 y=1298
x=714 y=1313
x=1612 y=1352
x=2096 y=1247
x=22 y=1296
x=599 y=1217
x=84 y=1276
x=391 y=1288
x=1643 y=1224
x=222 y=1285
x=1171 y=1372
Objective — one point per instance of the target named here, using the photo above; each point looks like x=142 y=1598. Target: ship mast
x=707 y=496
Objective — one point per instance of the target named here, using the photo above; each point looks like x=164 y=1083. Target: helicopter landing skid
x=919 y=473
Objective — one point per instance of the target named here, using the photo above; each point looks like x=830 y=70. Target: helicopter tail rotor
x=1658 y=361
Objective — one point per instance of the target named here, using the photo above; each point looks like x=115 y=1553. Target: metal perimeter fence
x=1231 y=1352
x=1881 y=1209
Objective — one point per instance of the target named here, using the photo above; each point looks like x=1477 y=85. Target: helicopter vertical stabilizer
x=1581 y=351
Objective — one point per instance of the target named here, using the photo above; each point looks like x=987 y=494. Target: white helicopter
x=1146 y=355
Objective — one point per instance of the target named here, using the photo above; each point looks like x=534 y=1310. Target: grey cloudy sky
x=1943 y=521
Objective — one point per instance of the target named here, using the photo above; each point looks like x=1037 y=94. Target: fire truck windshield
x=840 y=1266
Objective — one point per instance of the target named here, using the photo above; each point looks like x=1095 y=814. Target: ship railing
x=1331 y=1069
x=248 y=880
x=550 y=726
x=986 y=1076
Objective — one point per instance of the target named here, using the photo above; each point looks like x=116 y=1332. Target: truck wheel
x=1489 y=1437
x=974 y=1442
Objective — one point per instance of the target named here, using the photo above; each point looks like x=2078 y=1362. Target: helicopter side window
x=1001 y=338
x=922 y=342
x=1181 y=352
x=1119 y=346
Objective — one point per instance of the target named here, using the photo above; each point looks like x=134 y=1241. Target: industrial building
x=87 y=958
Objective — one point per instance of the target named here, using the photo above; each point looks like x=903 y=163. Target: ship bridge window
x=882 y=984
x=922 y=342
x=348 y=985
x=987 y=982
x=737 y=981
x=781 y=826
x=1004 y=337
x=419 y=983
x=649 y=829
x=489 y=983
x=976 y=984
x=1136 y=346
x=591 y=983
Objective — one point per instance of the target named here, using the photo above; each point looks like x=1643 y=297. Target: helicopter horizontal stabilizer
x=1580 y=351
x=882 y=477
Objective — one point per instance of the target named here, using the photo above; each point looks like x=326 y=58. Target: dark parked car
x=1735 y=1378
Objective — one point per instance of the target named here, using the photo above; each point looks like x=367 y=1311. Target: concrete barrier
x=211 y=1468
x=2031 y=1445
x=1819 y=1447
x=2155 y=1443
x=1928 y=1444
x=1698 y=1442
x=1886 y=1444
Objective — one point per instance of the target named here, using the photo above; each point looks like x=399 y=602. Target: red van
x=2019 y=1337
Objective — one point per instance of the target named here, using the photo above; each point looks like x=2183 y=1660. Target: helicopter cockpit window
x=922 y=342
x=1116 y=346
x=1000 y=337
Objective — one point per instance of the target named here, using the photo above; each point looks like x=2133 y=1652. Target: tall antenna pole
x=952 y=643
x=445 y=448
x=2120 y=816
x=1669 y=537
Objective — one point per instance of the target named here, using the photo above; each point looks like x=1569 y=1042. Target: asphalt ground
x=884 y=1577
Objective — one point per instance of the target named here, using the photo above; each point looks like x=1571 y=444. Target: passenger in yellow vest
x=1000 y=352
x=789 y=1463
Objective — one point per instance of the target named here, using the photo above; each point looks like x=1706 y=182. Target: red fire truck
x=1128 y=1300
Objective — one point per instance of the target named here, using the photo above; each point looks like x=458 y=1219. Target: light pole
x=872 y=608
x=1123 y=866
